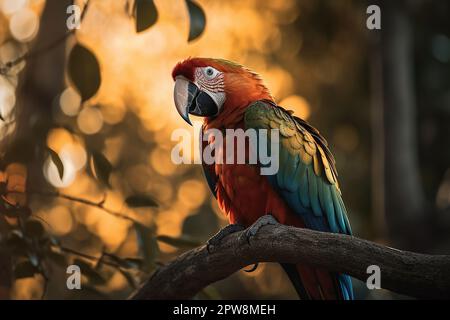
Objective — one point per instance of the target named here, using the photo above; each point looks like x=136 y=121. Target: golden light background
x=136 y=79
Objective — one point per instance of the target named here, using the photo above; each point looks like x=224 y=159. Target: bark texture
x=413 y=274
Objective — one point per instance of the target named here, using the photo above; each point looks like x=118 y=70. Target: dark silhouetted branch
x=412 y=274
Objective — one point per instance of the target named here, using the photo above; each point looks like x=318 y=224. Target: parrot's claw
x=261 y=222
x=217 y=238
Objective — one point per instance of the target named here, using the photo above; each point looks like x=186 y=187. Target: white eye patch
x=211 y=81
x=210 y=73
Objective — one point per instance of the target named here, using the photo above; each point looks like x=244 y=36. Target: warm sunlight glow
x=70 y=102
x=74 y=153
x=24 y=25
x=12 y=6
x=52 y=175
x=297 y=104
x=90 y=120
x=137 y=79
x=60 y=218
x=7 y=97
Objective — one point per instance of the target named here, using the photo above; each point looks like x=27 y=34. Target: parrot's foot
x=226 y=231
x=261 y=222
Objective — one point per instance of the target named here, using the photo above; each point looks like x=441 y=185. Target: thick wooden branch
x=412 y=274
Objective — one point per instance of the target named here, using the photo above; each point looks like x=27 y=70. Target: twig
x=57 y=194
x=413 y=274
x=88 y=257
x=100 y=205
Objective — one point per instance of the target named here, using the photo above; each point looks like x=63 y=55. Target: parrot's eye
x=210 y=72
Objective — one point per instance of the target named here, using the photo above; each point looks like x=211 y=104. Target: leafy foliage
x=57 y=161
x=197 y=20
x=145 y=14
x=31 y=244
x=101 y=168
x=84 y=71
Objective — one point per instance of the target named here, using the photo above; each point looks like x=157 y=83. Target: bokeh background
x=380 y=97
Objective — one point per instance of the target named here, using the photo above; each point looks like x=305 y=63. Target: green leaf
x=57 y=161
x=145 y=14
x=101 y=167
x=34 y=229
x=25 y=269
x=139 y=201
x=88 y=271
x=184 y=242
x=84 y=71
x=148 y=247
x=197 y=20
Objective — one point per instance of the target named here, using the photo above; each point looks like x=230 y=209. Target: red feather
x=242 y=193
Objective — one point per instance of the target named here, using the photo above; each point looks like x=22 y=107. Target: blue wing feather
x=312 y=197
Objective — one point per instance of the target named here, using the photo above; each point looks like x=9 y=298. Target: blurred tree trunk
x=377 y=126
x=39 y=85
x=405 y=206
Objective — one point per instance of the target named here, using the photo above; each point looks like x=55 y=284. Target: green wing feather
x=307 y=177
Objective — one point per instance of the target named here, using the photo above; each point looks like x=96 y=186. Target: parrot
x=304 y=192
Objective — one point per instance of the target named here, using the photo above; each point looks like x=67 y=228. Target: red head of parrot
x=214 y=88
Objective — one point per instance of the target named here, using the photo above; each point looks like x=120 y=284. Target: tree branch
x=413 y=274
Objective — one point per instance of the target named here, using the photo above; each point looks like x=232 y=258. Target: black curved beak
x=189 y=99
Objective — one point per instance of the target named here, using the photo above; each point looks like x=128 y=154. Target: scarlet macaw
x=303 y=193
